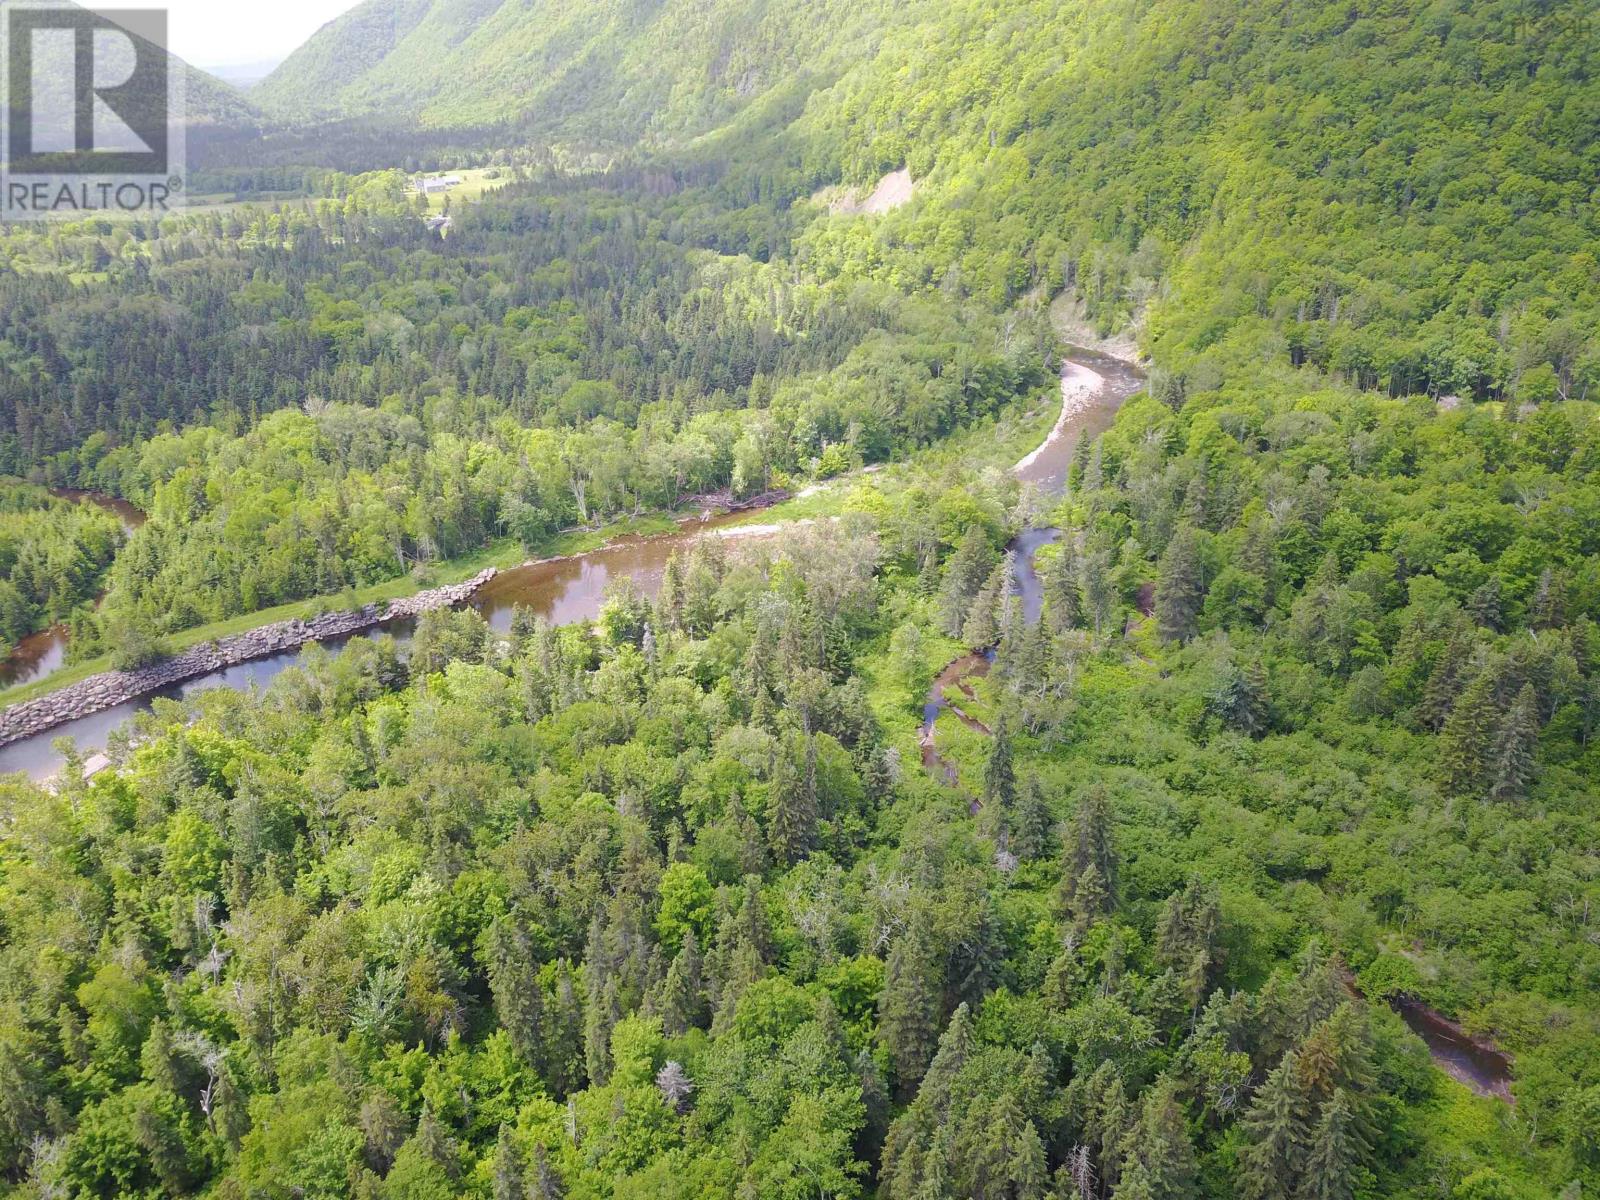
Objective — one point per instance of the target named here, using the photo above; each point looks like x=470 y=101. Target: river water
x=561 y=590
x=1093 y=388
x=45 y=652
x=572 y=589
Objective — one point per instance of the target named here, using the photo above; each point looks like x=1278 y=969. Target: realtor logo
x=90 y=113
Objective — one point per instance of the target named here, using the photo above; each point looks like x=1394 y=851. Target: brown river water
x=561 y=590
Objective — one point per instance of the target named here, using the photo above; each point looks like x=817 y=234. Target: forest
x=668 y=906
x=698 y=899
x=53 y=557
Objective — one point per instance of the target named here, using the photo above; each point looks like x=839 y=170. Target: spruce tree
x=1443 y=688
x=1063 y=602
x=1486 y=605
x=964 y=575
x=1514 y=748
x=546 y=1183
x=1160 y=1153
x=956 y=1045
x=506 y=1171
x=1029 y=826
x=1468 y=738
x=1088 y=866
x=909 y=1005
x=791 y=812
x=1547 y=609
x=518 y=994
x=1099 y=595
x=1336 y=1152
x=982 y=626
x=1274 y=1155
x=601 y=1014
x=1180 y=588
x=999 y=776
x=564 y=1051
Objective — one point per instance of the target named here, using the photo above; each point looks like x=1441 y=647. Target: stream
x=565 y=590
x=1093 y=388
x=1479 y=1065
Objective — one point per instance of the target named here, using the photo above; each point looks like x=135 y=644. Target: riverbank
x=568 y=584
x=1090 y=399
x=502 y=554
x=111 y=688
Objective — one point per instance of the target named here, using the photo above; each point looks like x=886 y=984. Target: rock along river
x=561 y=590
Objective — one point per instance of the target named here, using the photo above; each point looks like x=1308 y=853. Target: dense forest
x=689 y=901
x=667 y=906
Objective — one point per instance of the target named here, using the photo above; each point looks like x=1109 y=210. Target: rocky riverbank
x=106 y=690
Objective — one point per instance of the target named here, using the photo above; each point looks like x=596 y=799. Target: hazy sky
x=210 y=33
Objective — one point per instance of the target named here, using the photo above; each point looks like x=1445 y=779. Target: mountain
x=1370 y=188
x=614 y=70
x=208 y=100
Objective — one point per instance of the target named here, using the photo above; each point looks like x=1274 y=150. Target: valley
x=881 y=601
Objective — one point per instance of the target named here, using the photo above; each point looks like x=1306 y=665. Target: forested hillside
x=711 y=897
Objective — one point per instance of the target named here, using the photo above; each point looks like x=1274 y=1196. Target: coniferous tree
x=601 y=1014
x=1088 y=867
x=982 y=626
x=909 y=1006
x=564 y=1053
x=1514 y=748
x=1273 y=1159
x=1547 y=609
x=1063 y=601
x=1486 y=605
x=1336 y=1153
x=1099 y=596
x=680 y=1005
x=518 y=994
x=1180 y=586
x=506 y=1171
x=791 y=811
x=546 y=1184
x=1161 y=1161
x=1029 y=827
x=964 y=576
x=999 y=777
x=1467 y=740
x=1444 y=684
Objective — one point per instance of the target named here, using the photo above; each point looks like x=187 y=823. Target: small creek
x=1479 y=1065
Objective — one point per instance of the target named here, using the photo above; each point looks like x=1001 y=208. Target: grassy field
x=474 y=183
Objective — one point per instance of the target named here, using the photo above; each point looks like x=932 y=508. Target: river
x=562 y=590
x=1093 y=388
x=571 y=589
x=45 y=652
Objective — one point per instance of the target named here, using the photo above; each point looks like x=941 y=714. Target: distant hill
x=1401 y=193
x=614 y=70
x=209 y=103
